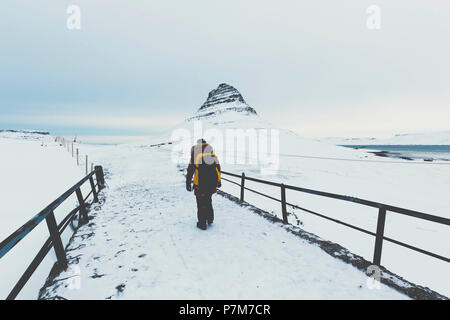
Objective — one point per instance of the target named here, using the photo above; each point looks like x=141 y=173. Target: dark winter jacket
x=197 y=152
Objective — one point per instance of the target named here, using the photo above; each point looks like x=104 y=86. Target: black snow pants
x=205 y=210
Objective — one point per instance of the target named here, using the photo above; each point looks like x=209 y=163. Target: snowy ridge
x=26 y=131
x=25 y=135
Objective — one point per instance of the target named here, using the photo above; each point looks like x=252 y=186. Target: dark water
x=434 y=152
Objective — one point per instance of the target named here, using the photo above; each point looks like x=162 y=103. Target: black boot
x=201 y=225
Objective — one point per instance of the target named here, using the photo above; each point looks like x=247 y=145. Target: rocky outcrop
x=223 y=99
x=45 y=133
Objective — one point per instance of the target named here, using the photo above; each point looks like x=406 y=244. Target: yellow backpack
x=207 y=173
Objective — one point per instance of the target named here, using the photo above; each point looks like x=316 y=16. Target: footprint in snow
x=118 y=252
x=120 y=288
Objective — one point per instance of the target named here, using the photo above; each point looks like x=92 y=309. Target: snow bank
x=35 y=171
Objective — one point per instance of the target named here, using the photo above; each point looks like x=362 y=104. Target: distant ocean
x=434 y=152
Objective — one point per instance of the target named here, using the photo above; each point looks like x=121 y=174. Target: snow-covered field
x=34 y=171
x=143 y=244
x=150 y=216
x=413 y=186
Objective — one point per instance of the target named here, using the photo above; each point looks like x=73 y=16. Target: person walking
x=204 y=167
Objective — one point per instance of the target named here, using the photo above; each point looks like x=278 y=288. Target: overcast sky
x=139 y=67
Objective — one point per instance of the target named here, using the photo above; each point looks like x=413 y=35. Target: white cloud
x=368 y=118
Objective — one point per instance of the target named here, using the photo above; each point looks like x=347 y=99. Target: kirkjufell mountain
x=224 y=108
x=224 y=99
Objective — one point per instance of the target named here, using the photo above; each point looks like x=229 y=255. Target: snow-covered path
x=143 y=244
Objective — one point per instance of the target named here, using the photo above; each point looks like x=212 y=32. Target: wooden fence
x=55 y=231
x=71 y=147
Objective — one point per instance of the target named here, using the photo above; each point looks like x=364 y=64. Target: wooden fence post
x=56 y=240
x=87 y=165
x=242 y=186
x=94 y=192
x=78 y=158
x=283 y=204
x=83 y=211
x=379 y=236
x=100 y=177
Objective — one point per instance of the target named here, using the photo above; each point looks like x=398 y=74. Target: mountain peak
x=223 y=94
x=224 y=98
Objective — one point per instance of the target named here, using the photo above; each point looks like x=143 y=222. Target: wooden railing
x=54 y=241
x=382 y=209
